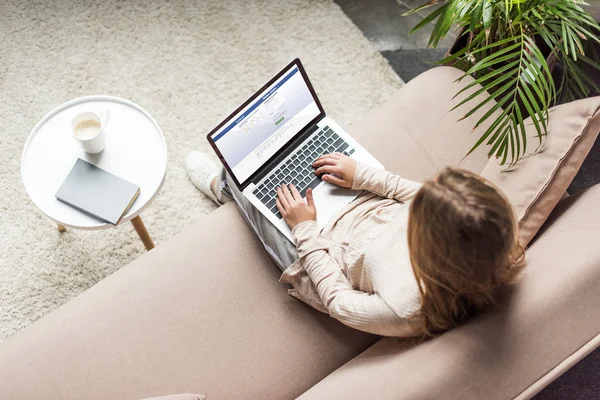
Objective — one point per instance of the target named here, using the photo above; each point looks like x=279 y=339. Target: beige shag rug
x=189 y=63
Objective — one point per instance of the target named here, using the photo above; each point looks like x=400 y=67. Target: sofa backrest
x=415 y=135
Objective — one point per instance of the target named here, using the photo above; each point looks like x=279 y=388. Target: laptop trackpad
x=329 y=199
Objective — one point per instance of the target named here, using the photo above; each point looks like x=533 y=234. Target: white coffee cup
x=89 y=131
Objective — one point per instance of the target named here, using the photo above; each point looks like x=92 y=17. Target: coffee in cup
x=89 y=131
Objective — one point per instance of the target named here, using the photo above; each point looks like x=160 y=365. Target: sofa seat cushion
x=202 y=313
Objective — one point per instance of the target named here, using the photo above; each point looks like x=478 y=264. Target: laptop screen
x=274 y=115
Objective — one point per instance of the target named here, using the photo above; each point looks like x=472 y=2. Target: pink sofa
x=204 y=312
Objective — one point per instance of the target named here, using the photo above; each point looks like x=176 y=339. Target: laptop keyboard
x=298 y=169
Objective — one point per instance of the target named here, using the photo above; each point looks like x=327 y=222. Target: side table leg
x=61 y=228
x=142 y=232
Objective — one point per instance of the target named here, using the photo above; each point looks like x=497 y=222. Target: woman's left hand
x=292 y=206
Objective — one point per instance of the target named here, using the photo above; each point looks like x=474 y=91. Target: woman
x=402 y=259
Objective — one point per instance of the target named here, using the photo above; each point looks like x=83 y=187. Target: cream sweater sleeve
x=384 y=183
x=357 y=309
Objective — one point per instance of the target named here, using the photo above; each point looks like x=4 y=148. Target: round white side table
x=135 y=150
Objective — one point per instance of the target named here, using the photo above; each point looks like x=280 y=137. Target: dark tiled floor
x=410 y=63
x=381 y=21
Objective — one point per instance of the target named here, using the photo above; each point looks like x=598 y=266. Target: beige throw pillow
x=538 y=182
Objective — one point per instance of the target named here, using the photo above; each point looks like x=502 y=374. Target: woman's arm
x=357 y=309
x=346 y=172
x=383 y=183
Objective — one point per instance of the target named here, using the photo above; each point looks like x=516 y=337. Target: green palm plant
x=528 y=54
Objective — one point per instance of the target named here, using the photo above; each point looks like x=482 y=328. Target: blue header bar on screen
x=256 y=104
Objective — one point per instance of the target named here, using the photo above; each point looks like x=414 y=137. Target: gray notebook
x=97 y=192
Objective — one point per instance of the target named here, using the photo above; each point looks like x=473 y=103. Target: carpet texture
x=188 y=63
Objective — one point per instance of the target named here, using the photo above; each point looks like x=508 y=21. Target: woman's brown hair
x=462 y=237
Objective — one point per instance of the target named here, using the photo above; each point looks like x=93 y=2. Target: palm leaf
x=500 y=52
x=424 y=6
x=429 y=18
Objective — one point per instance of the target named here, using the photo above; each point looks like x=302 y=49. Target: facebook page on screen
x=263 y=127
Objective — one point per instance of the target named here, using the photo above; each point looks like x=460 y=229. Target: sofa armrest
x=551 y=313
x=415 y=134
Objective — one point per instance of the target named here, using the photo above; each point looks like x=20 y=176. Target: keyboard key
x=271 y=203
x=351 y=151
x=313 y=184
x=343 y=147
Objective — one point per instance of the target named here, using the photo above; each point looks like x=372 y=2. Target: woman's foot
x=203 y=173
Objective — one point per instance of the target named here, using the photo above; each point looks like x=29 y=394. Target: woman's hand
x=292 y=207
x=342 y=166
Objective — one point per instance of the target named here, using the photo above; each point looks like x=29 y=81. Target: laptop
x=274 y=137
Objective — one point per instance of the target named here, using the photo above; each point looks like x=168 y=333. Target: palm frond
x=501 y=50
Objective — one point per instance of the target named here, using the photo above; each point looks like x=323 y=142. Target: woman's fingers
x=327 y=169
x=282 y=199
x=280 y=207
x=335 y=180
x=295 y=193
x=324 y=161
x=287 y=194
x=310 y=200
x=335 y=156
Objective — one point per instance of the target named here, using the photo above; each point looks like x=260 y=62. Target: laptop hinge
x=283 y=153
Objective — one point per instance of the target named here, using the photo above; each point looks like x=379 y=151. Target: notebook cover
x=97 y=192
